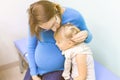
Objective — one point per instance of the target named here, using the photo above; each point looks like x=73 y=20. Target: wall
x=102 y=18
x=13 y=26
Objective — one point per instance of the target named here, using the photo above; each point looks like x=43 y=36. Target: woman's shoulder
x=71 y=10
x=72 y=15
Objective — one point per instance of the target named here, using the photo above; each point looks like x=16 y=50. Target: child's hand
x=35 y=77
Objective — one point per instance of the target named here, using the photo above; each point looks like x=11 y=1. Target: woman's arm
x=82 y=66
x=84 y=34
x=31 y=45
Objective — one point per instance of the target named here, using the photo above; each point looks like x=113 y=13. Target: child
x=78 y=56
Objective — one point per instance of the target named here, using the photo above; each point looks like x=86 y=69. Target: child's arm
x=82 y=66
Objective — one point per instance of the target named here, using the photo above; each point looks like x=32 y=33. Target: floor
x=12 y=73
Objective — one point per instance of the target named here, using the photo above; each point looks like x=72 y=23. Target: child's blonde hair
x=68 y=30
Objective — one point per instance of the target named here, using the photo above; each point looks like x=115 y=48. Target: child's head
x=63 y=36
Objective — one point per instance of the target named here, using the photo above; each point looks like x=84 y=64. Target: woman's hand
x=35 y=77
x=80 y=37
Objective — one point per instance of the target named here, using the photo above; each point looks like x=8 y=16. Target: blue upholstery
x=100 y=71
x=21 y=45
x=104 y=74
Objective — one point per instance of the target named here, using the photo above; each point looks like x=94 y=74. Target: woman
x=44 y=57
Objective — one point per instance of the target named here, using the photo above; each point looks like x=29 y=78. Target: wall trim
x=9 y=65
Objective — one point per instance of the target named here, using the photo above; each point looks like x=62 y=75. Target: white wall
x=102 y=18
x=13 y=26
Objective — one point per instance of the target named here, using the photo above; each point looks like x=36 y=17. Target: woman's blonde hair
x=41 y=12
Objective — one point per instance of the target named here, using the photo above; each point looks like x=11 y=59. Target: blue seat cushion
x=21 y=45
x=103 y=73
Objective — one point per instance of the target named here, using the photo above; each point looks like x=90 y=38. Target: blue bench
x=100 y=71
x=21 y=46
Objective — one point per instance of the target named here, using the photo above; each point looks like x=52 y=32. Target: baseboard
x=9 y=65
